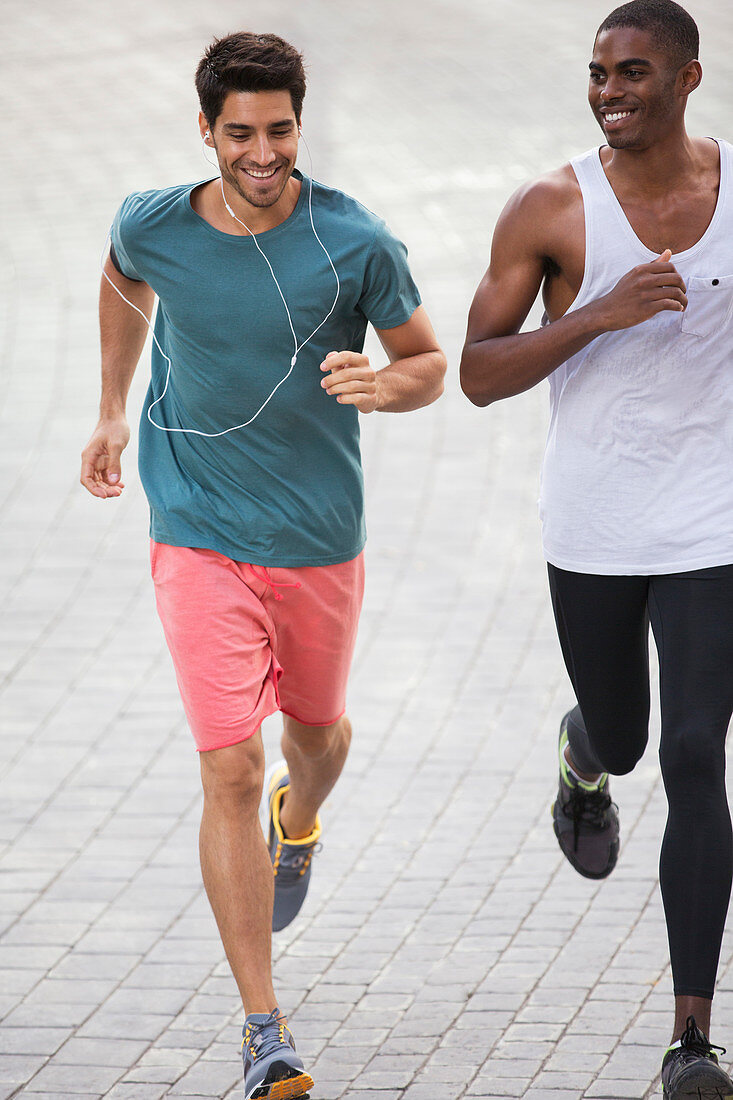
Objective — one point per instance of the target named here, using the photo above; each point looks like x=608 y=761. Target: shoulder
x=711 y=151
x=539 y=217
x=348 y=214
x=550 y=195
x=707 y=146
x=143 y=208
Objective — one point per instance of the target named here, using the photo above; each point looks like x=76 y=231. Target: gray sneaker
x=690 y=1069
x=291 y=859
x=585 y=819
x=272 y=1069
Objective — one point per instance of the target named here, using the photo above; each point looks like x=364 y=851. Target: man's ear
x=204 y=129
x=690 y=77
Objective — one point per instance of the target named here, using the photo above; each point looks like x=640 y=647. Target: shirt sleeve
x=389 y=296
x=122 y=240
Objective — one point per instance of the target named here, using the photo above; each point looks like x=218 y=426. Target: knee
x=616 y=736
x=619 y=759
x=234 y=775
x=689 y=758
x=316 y=742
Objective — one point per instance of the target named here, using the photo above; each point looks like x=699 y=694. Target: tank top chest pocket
x=709 y=304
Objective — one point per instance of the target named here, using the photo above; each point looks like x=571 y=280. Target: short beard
x=261 y=201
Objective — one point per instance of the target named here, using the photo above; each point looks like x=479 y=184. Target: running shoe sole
x=700 y=1090
x=282 y=1088
x=699 y=1093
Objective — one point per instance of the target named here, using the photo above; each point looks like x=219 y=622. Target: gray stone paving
x=445 y=950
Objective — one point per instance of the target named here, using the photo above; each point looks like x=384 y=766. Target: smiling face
x=635 y=93
x=256 y=142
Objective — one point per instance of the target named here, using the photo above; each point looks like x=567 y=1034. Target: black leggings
x=603 y=625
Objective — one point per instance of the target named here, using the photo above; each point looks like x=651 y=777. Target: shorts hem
x=236 y=740
x=318 y=725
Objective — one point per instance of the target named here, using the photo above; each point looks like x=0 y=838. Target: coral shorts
x=247 y=640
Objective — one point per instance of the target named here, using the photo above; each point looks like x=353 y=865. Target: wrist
x=595 y=318
x=379 y=397
x=112 y=412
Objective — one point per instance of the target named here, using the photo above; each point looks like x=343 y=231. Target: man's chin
x=259 y=196
x=623 y=141
x=620 y=139
x=260 y=200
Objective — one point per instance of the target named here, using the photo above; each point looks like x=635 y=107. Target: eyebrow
x=595 y=67
x=230 y=126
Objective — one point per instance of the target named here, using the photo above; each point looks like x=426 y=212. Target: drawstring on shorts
x=271 y=584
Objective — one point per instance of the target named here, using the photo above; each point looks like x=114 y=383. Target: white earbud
x=205 y=145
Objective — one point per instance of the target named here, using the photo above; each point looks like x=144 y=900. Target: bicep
x=414 y=337
x=137 y=293
x=509 y=288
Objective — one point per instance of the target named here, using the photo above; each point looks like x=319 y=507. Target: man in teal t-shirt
x=249 y=456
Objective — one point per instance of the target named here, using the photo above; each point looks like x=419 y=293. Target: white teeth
x=260 y=175
x=616 y=116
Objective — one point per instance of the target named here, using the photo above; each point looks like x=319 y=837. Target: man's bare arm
x=413 y=378
x=122 y=332
x=498 y=361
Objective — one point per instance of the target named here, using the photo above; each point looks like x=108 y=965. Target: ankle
x=584 y=777
x=697 y=1007
x=261 y=1006
x=295 y=825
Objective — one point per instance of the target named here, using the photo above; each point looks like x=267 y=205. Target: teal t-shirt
x=287 y=490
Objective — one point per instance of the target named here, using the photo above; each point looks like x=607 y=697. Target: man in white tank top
x=631 y=247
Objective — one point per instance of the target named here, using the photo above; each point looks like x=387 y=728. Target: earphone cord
x=298 y=347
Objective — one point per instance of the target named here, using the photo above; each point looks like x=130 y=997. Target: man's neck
x=664 y=166
x=208 y=202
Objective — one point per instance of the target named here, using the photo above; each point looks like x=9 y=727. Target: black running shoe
x=690 y=1071
x=585 y=819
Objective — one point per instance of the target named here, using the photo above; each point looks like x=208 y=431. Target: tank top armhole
x=726 y=169
x=583 y=171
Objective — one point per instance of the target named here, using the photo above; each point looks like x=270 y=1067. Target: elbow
x=441 y=366
x=475 y=383
x=437 y=377
x=475 y=395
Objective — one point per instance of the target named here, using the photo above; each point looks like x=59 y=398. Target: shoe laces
x=696 y=1041
x=294 y=861
x=265 y=1037
x=587 y=808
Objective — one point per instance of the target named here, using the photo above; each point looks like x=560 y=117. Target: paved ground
x=446 y=950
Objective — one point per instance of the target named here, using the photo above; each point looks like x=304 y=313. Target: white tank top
x=637 y=476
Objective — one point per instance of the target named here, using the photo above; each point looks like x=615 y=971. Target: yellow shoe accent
x=290 y=1089
x=275 y=800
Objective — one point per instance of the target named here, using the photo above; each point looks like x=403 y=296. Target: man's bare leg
x=315 y=756
x=236 y=866
x=699 y=1007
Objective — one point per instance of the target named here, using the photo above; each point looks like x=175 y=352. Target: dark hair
x=246 y=62
x=673 y=29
